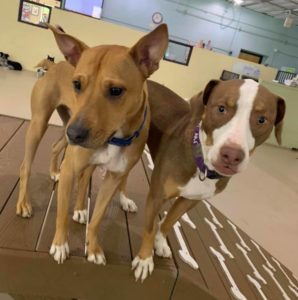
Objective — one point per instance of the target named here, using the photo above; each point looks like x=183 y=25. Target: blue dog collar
x=124 y=142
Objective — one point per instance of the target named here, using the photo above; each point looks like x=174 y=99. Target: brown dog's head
x=239 y=116
x=109 y=84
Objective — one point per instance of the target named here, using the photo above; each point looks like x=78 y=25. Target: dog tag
x=214 y=219
x=289 y=279
x=183 y=252
x=234 y=288
x=255 y=271
x=187 y=220
x=239 y=236
x=284 y=294
x=257 y=286
x=222 y=246
x=263 y=255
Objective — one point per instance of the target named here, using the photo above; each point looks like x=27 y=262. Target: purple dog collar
x=198 y=155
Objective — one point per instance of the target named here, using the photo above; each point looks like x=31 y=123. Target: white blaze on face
x=237 y=131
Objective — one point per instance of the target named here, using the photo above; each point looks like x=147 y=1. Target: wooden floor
x=27 y=269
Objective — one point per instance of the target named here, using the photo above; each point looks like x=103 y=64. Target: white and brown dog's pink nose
x=231 y=155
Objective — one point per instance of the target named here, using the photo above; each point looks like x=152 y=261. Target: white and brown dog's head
x=109 y=82
x=239 y=116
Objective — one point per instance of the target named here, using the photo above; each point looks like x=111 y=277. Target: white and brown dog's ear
x=208 y=90
x=70 y=46
x=280 y=113
x=150 y=49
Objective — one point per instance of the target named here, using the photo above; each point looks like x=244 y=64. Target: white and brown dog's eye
x=221 y=109
x=262 y=120
x=115 y=91
x=76 y=85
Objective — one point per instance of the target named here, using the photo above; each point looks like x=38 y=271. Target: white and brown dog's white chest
x=195 y=189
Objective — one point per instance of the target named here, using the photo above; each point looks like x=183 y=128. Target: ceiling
x=276 y=8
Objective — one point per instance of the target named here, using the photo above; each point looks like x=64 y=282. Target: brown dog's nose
x=77 y=133
x=231 y=155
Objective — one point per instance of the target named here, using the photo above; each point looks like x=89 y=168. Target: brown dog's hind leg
x=180 y=207
x=80 y=214
x=35 y=132
x=56 y=150
x=126 y=204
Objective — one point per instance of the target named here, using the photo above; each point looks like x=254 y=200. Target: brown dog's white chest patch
x=111 y=158
x=196 y=189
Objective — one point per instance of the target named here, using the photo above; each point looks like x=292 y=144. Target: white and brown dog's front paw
x=142 y=267
x=80 y=216
x=161 y=246
x=60 y=252
x=127 y=204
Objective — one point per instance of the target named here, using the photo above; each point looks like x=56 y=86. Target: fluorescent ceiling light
x=238 y=2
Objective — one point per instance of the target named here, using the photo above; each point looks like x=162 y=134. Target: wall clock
x=157 y=18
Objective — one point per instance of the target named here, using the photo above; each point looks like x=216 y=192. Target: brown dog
x=107 y=94
x=197 y=147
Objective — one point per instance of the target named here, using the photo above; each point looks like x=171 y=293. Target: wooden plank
x=270 y=289
x=8 y=127
x=15 y=232
x=34 y=274
x=209 y=239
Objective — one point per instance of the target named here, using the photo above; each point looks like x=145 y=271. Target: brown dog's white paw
x=127 y=204
x=55 y=176
x=161 y=246
x=142 y=267
x=80 y=216
x=24 y=210
x=98 y=259
x=60 y=252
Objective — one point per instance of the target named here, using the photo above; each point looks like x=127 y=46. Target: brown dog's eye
x=76 y=85
x=262 y=120
x=221 y=109
x=115 y=91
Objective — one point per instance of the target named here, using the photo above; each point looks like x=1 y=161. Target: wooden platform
x=27 y=269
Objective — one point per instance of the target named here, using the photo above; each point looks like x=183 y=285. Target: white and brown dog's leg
x=180 y=207
x=127 y=204
x=80 y=212
x=143 y=263
x=56 y=150
x=35 y=132
x=108 y=188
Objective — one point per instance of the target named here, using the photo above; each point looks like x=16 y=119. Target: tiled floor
x=263 y=201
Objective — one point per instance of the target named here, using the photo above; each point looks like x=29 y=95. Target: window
x=34 y=13
x=90 y=8
x=178 y=52
x=251 y=56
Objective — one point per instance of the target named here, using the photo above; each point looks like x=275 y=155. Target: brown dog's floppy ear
x=208 y=90
x=150 y=49
x=280 y=113
x=70 y=47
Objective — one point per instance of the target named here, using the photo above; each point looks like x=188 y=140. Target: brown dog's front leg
x=107 y=190
x=59 y=249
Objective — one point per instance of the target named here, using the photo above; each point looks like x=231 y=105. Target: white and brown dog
x=197 y=147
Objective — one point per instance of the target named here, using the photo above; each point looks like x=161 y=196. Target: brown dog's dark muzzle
x=77 y=133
